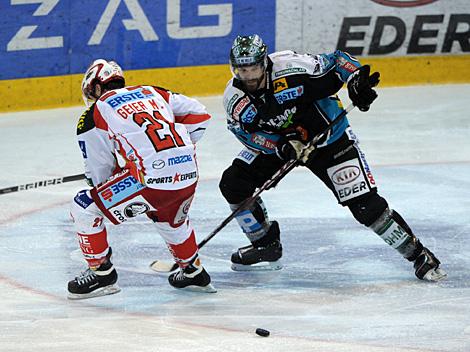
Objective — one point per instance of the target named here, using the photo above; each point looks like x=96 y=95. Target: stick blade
x=161 y=266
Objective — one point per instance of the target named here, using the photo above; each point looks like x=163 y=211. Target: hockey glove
x=293 y=149
x=291 y=146
x=360 y=85
x=250 y=125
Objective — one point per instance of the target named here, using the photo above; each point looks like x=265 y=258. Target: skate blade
x=204 y=289
x=163 y=267
x=435 y=275
x=102 y=291
x=261 y=266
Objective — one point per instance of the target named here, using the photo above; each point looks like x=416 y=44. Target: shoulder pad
x=287 y=63
x=162 y=89
x=231 y=96
x=86 y=121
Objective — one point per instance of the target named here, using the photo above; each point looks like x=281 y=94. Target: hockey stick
x=164 y=267
x=43 y=183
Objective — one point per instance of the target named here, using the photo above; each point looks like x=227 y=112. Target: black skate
x=263 y=254
x=192 y=278
x=94 y=283
x=427 y=266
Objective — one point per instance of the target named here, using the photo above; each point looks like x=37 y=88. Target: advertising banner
x=375 y=27
x=60 y=37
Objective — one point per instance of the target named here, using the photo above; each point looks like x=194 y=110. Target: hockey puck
x=262 y=332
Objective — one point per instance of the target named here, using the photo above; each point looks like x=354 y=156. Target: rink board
x=183 y=45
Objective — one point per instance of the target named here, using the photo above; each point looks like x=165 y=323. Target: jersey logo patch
x=289 y=71
x=345 y=64
x=127 y=97
x=230 y=103
x=247 y=155
x=239 y=107
x=279 y=85
x=249 y=115
x=289 y=94
x=284 y=120
x=263 y=141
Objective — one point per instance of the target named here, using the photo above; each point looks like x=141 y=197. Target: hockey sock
x=391 y=227
x=94 y=247
x=253 y=221
x=185 y=252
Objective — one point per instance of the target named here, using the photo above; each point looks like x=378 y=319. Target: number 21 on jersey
x=161 y=133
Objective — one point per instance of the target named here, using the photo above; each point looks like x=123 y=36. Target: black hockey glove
x=360 y=85
x=293 y=145
x=250 y=125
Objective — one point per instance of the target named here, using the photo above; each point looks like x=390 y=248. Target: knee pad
x=85 y=214
x=368 y=208
x=235 y=185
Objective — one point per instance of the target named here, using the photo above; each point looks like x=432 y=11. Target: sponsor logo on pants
x=348 y=180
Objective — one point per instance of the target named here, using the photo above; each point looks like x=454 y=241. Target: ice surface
x=342 y=288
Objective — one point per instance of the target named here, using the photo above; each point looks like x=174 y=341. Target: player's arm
x=191 y=113
x=331 y=71
x=258 y=141
x=96 y=147
x=359 y=80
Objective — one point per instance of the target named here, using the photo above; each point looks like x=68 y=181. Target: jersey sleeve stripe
x=163 y=92
x=99 y=120
x=192 y=118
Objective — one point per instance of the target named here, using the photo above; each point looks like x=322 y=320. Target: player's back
x=140 y=120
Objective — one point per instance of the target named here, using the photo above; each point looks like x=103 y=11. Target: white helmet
x=100 y=72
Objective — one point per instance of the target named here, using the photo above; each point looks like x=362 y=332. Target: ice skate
x=94 y=282
x=427 y=266
x=192 y=278
x=260 y=256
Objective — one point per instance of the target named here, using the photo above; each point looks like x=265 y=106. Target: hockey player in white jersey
x=276 y=104
x=138 y=144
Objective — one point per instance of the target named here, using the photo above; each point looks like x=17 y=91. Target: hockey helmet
x=247 y=51
x=100 y=72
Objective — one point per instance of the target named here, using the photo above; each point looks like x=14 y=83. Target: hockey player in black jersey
x=275 y=105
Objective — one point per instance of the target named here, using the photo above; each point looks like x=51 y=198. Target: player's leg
x=117 y=199
x=173 y=224
x=100 y=277
x=238 y=183
x=346 y=171
x=372 y=211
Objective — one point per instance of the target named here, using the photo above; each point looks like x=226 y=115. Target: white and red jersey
x=151 y=129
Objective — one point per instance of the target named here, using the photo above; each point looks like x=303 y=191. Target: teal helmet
x=247 y=51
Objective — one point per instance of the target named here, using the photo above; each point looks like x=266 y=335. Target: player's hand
x=250 y=124
x=250 y=127
x=294 y=149
x=293 y=145
x=360 y=85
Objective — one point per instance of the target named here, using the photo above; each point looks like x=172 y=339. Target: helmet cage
x=248 y=51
